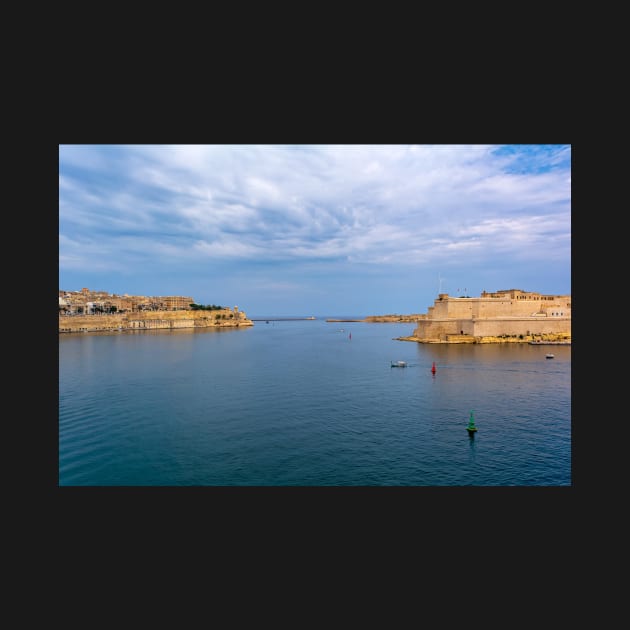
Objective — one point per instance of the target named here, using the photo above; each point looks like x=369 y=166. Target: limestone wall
x=450 y=307
x=225 y=318
x=489 y=307
x=436 y=329
x=526 y=326
x=512 y=313
x=439 y=329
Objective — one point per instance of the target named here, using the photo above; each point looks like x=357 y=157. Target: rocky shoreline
x=547 y=340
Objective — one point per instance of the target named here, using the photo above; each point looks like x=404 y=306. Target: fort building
x=495 y=316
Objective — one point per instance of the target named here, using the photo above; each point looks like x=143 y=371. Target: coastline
x=153 y=320
x=383 y=319
x=453 y=339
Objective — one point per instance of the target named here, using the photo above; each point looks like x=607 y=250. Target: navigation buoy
x=433 y=368
x=471 y=428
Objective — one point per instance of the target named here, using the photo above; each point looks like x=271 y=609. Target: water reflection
x=471 y=444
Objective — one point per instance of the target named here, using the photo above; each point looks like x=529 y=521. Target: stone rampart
x=441 y=329
x=150 y=320
x=518 y=315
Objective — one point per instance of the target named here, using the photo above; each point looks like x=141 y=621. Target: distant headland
x=98 y=311
x=380 y=318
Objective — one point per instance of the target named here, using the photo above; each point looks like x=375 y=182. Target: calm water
x=309 y=403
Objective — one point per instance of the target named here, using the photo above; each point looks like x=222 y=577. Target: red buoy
x=433 y=368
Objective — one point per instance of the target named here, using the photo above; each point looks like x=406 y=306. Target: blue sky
x=315 y=229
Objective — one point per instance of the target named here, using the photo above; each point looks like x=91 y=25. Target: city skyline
x=315 y=229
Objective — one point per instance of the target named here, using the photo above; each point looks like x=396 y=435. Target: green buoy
x=471 y=428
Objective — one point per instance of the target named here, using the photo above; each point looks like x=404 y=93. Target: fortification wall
x=463 y=308
x=492 y=307
x=527 y=326
x=454 y=308
x=436 y=329
x=225 y=318
x=439 y=329
x=517 y=314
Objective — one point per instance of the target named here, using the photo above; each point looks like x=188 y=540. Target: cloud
x=351 y=205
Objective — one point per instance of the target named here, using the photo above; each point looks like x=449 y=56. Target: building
x=505 y=313
x=86 y=302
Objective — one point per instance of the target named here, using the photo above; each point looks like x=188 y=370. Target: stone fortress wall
x=506 y=313
x=146 y=320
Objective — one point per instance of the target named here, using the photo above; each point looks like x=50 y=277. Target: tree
x=205 y=307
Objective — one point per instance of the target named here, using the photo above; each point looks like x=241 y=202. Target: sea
x=299 y=402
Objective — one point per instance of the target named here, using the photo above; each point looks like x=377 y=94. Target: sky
x=315 y=229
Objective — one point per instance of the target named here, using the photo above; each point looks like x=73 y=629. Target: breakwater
x=281 y=319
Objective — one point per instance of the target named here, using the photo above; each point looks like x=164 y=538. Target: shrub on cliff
x=206 y=307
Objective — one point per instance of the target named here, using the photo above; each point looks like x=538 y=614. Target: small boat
x=549 y=356
x=399 y=364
